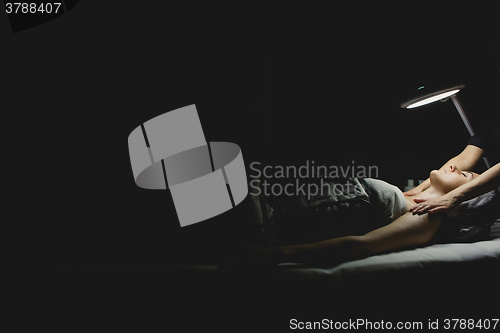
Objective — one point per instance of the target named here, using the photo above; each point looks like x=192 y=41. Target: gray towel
x=388 y=198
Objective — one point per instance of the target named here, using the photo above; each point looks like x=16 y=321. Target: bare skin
x=466 y=160
x=484 y=183
x=408 y=230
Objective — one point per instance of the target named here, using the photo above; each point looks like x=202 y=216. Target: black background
x=287 y=84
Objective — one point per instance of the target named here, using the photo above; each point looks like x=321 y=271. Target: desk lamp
x=425 y=96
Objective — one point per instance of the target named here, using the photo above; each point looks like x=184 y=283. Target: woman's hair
x=471 y=220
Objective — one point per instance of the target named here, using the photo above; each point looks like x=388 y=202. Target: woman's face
x=450 y=178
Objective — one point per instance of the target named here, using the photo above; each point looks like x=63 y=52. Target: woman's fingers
x=420 y=208
x=426 y=207
x=437 y=210
x=421 y=211
x=433 y=205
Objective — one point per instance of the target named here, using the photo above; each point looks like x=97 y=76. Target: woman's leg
x=408 y=230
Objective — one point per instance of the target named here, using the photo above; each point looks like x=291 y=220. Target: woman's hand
x=440 y=204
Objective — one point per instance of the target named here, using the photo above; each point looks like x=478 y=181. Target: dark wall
x=287 y=85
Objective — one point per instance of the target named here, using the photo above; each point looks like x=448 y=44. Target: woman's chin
x=434 y=177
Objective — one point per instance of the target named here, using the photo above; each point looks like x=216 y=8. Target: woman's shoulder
x=381 y=185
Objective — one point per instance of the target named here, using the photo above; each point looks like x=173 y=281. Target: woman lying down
x=403 y=229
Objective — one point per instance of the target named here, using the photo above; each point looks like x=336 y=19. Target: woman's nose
x=452 y=167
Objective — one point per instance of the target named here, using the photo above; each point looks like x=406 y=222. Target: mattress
x=422 y=284
x=440 y=280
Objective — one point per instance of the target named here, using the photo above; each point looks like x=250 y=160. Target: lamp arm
x=462 y=113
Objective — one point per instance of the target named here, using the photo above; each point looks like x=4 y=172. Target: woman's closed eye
x=466 y=174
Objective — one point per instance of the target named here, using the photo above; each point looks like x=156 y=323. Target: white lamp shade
x=426 y=96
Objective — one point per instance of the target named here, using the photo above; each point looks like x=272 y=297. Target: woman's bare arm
x=406 y=231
